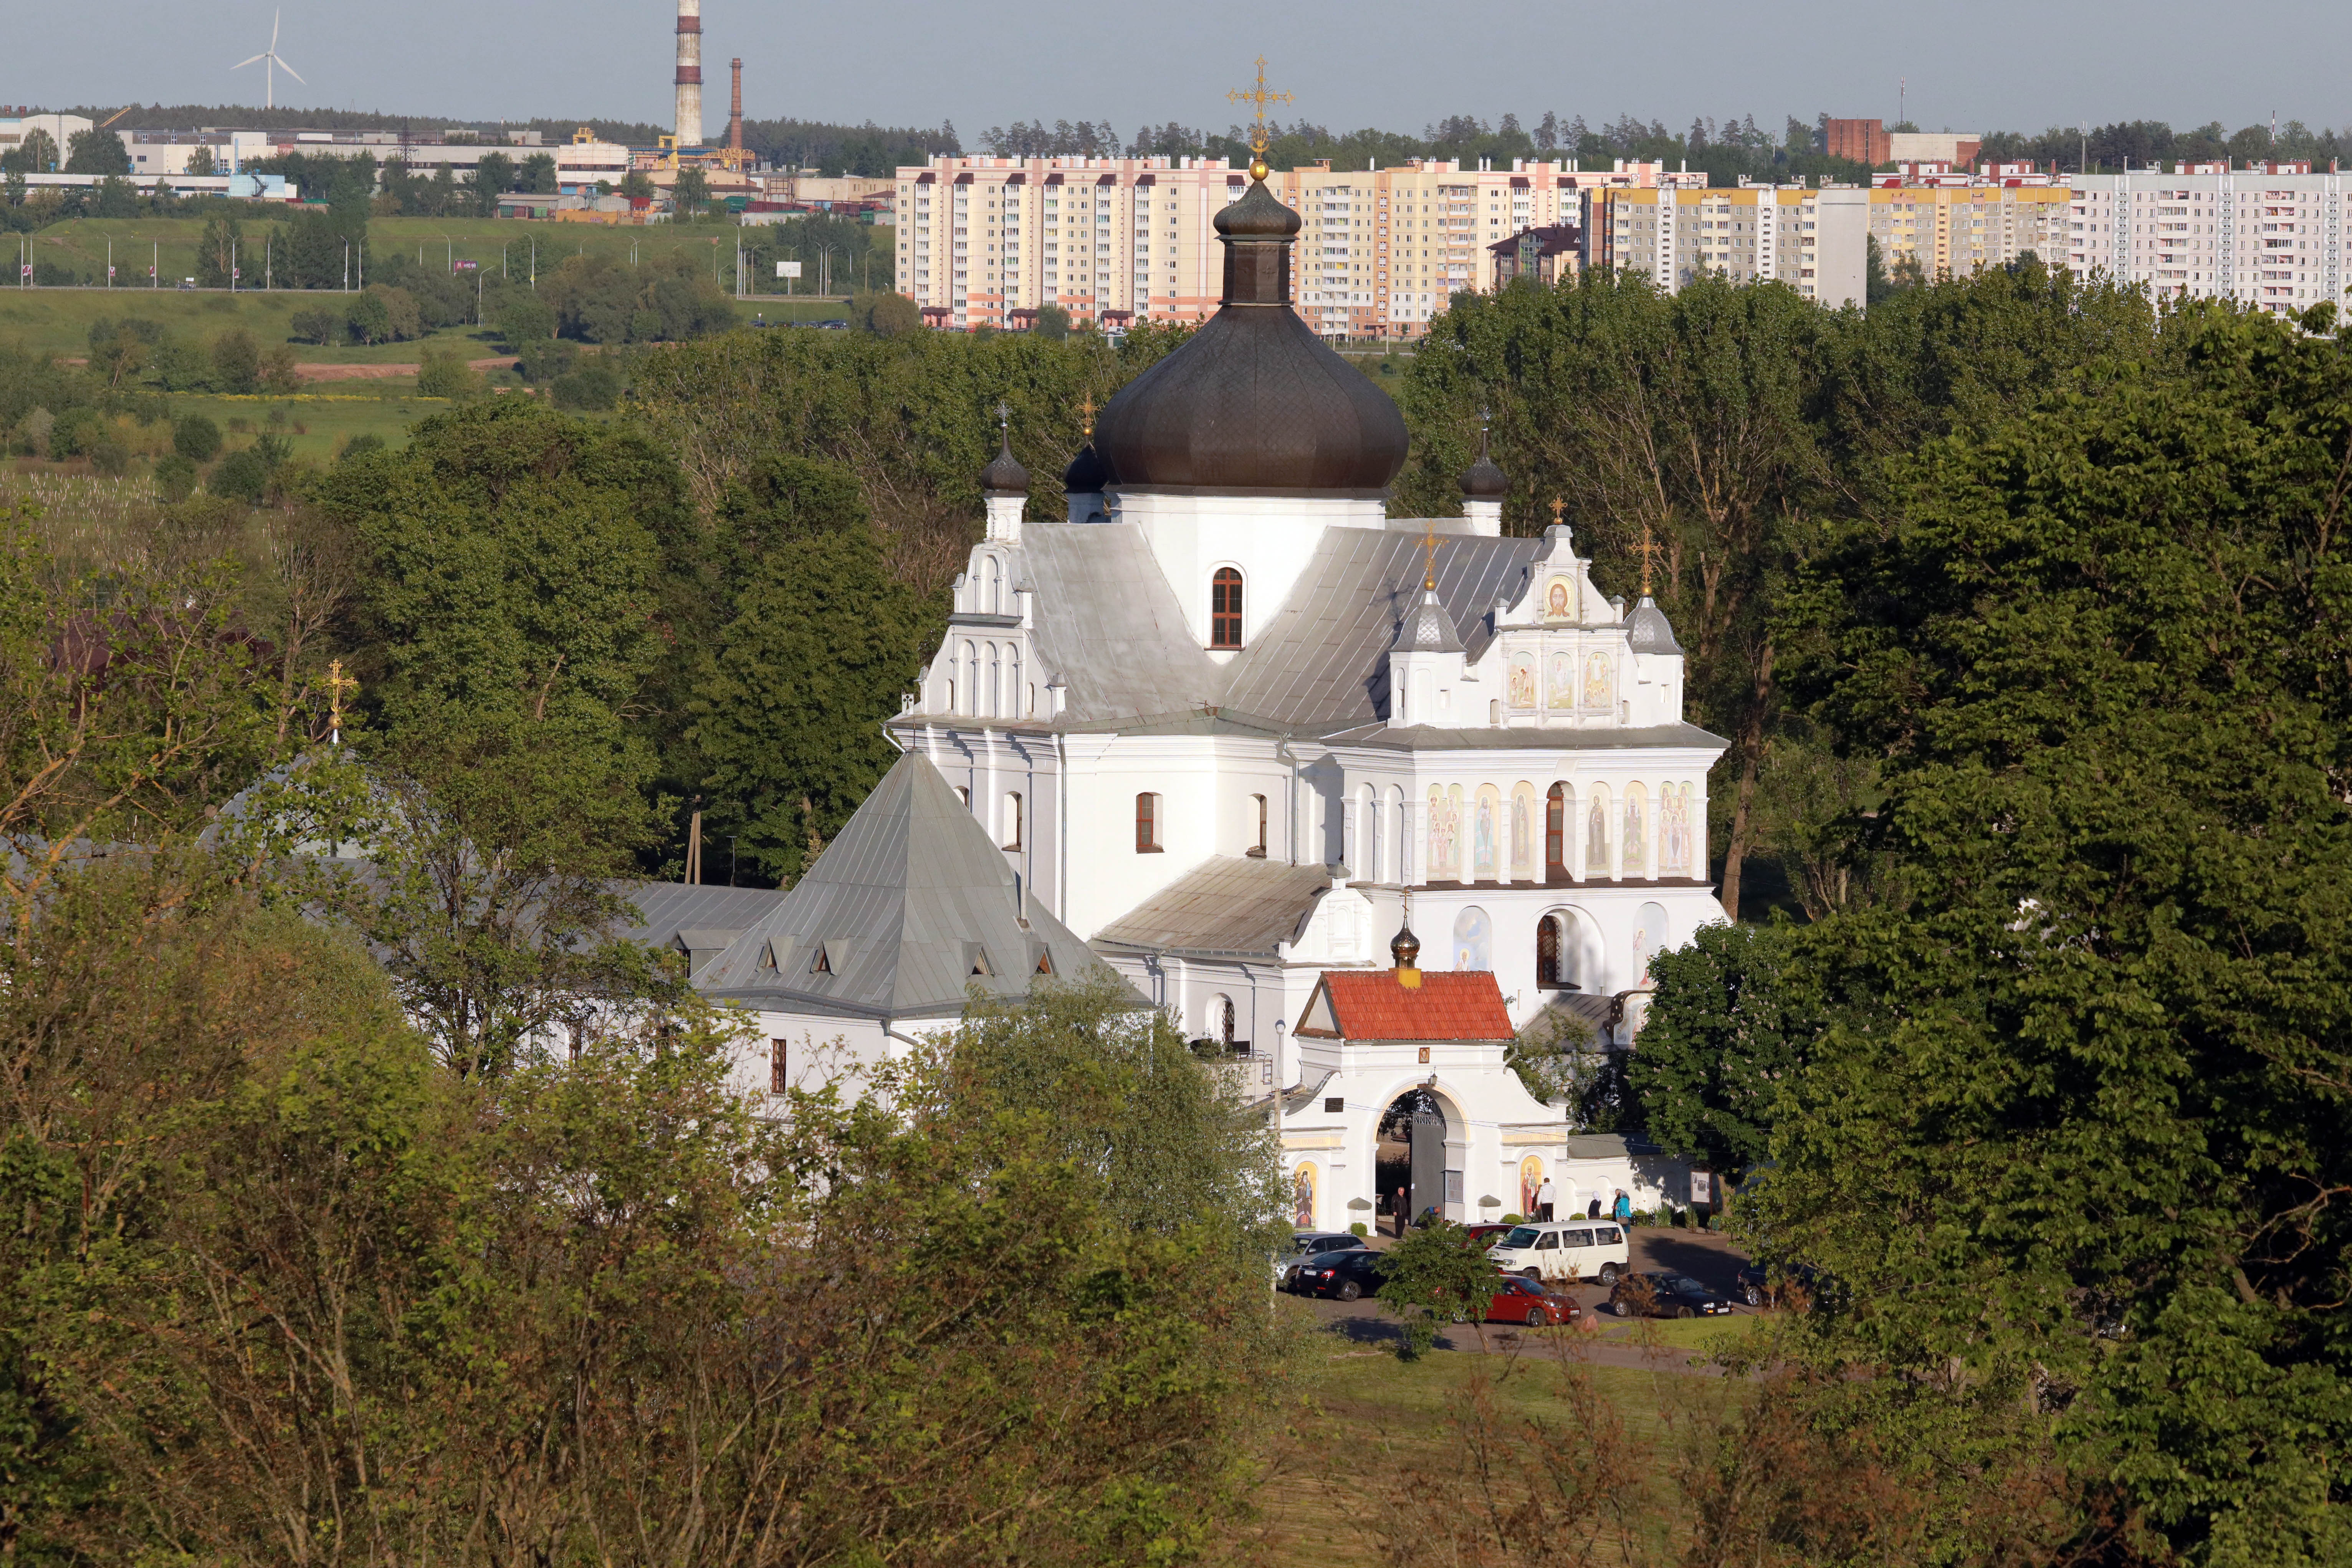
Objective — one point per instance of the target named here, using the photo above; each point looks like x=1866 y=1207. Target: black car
x=1346 y=1275
x=1665 y=1295
x=1760 y=1282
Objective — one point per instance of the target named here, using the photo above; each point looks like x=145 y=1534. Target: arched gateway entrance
x=1417 y=1158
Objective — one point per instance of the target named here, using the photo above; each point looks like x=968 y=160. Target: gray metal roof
x=1108 y=628
x=1223 y=905
x=1429 y=629
x=1417 y=738
x=667 y=909
x=1322 y=661
x=897 y=915
x=1651 y=631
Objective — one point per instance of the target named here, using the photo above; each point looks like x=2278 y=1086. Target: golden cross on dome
x=1261 y=98
x=337 y=683
x=1649 y=548
x=1429 y=559
x=1087 y=410
x=1556 y=506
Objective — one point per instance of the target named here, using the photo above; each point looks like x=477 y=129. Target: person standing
x=1544 y=1199
x=1397 y=1208
x=1622 y=1211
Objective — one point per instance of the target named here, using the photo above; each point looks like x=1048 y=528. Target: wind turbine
x=272 y=65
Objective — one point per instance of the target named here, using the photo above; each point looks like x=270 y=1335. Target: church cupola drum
x=1254 y=403
x=688 y=120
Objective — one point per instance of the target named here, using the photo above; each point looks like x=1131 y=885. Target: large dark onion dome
x=1254 y=403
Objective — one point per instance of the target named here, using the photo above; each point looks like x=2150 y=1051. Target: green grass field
x=513 y=246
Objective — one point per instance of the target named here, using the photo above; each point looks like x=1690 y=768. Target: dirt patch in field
x=385 y=371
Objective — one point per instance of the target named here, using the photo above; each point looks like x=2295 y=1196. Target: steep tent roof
x=1374 y=1004
x=908 y=907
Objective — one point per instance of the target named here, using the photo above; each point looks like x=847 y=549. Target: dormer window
x=1225 y=608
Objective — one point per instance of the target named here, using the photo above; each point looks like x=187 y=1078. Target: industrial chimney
x=735 y=109
x=689 y=73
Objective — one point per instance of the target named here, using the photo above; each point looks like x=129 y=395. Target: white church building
x=1228 y=729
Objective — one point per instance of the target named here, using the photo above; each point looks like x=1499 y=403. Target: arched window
x=994 y=602
x=1221 y=1019
x=995 y=679
x=1549 y=972
x=1556 y=832
x=968 y=665
x=1146 y=824
x=1258 y=805
x=1011 y=709
x=1225 y=608
x=1012 y=820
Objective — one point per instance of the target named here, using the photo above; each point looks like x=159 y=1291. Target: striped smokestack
x=735 y=108
x=689 y=73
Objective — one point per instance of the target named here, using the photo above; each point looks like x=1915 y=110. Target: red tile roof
x=1457 y=1005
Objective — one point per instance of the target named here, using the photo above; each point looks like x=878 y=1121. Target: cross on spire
x=1558 y=506
x=1259 y=96
x=337 y=683
x=1649 y=548
x=1429 y=559
x=1004 y=419
x=1087 y=410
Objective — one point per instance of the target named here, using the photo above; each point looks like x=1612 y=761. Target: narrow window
x=1259 y=852
x=1147 y=825
x=778 y=1078
x=1225 y=608
x=1225 y=1022
x=1556 y=832
x=1013 y=821
x=579 y=1035
x=1548 y=973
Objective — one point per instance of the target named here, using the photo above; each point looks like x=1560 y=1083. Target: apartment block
x=1815 y=240
x=1951 y=221
x=2273 y=236
x=982 y=240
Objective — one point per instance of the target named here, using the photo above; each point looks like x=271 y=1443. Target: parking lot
x=1712 y=1260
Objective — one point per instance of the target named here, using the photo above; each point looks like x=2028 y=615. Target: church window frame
x=1225 y=590
x=1012 y=823
x=1257 y=851
x=779 y=1069
x=1147 y=813
x=1556 y=818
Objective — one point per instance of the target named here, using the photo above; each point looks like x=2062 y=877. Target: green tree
x=445 y=374
x=236 y=362
x=200 y=163
x=788 y=694
x=493 y=177
x=218 y=250
x=1435 y=1273
x=537 y=174
x=508 y=615
x=242 y=475
x=1724 y=1033
x=692 y=191
x=2073 y=1127
x=37 y=154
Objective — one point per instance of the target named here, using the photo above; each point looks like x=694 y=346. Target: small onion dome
x=1482 y=480
x=1005 y=476
x=1650 y=631
x=1085 y=476
x=1257 y=216
x=1429 y=629
x=1405 y=947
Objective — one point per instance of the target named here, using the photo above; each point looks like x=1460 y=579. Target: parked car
x=1565 y=1250
x=1485 y=1235
x=1665 y=1295
x=1760 y=1283
x=1305 y=1244
x=1526 y=1302
x=1348 y=1276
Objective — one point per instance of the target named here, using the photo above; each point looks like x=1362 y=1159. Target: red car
x=1526 y=1302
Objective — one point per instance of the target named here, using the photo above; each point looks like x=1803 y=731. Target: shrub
x=241 y=476
x=1357 y=1227
x=523 y=321
x=541 y=360
x=197 y=438
x=110 y=457
x=317 y=326
x=77 y=430
x=278 y=373
x=175 y=477
x=368 y=317
x=1514 y=1219
x=236 y=362
x=33 y=429
x=359 y=446
x=592 y=388
x=445 y=374
x=886 y=315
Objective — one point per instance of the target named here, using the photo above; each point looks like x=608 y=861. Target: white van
x=1567 y=1249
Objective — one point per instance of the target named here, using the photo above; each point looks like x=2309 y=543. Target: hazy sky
x=1994 y=64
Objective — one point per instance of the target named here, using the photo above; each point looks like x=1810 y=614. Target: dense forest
x=2019 y=600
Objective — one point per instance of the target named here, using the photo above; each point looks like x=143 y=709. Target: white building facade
x=1230 y=726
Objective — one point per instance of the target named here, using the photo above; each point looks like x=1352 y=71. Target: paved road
x=1711 y=1259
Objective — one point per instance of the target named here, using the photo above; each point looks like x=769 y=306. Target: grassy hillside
x=510 y=243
